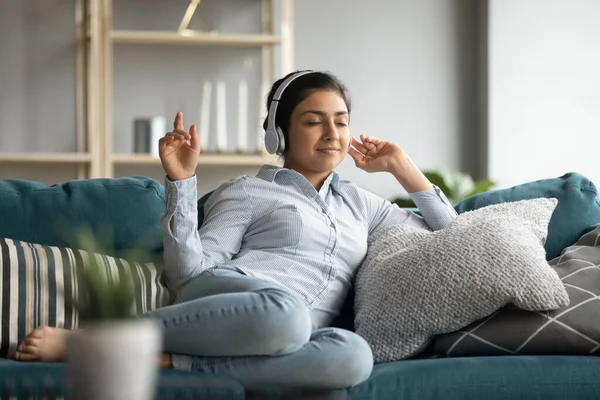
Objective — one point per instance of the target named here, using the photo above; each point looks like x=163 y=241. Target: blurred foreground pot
x=114 y=360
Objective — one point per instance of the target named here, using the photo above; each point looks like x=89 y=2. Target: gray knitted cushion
x=415 y=284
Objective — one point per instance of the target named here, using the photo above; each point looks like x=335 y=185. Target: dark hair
x=297 y=91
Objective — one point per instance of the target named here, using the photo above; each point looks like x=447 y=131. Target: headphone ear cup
x=281 y=141
x=271 y=141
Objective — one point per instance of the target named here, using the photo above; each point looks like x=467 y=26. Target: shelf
x=205 y=159
x=55 y=158
x=192 y=38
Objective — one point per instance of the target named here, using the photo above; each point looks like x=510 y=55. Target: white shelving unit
x=94 y=156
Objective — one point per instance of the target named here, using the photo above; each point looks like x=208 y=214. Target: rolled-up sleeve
x=436 y=209
x=188 y=250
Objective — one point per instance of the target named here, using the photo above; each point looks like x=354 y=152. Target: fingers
x=369 y=143
x=163 y=143
x=178 y=123
x=170 y=140
x=175 y=139
x=179 y=134
x=359 y=146
x=360 y=160
x=194 y=141
x=178 y=138
x=370 y=139
x=167 y=139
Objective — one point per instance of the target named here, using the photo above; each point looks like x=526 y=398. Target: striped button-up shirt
x=276 y=226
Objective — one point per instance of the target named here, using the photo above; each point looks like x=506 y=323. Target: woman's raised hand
x=375 y=155
x=179 y=151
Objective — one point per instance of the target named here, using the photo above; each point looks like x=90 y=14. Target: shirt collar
x=269 y=172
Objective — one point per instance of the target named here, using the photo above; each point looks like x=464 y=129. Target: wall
x=37 y=84
x=544 y=89
x=409 y=66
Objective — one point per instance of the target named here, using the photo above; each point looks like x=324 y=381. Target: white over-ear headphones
x=274 y=139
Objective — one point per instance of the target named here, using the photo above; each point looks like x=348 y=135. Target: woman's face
x=318 y=134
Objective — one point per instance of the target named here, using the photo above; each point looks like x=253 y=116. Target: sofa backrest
x=126 y=210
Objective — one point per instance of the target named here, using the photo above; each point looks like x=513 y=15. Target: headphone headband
x=274 y=139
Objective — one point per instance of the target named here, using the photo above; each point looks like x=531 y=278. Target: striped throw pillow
x=38 y=286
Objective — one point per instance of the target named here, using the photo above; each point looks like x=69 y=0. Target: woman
x=261 y=281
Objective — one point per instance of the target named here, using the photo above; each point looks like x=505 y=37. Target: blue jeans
x=258 y=333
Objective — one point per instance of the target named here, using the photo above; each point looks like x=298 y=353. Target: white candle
x=262 y=114
x=205 y=115
x=158 y=127
x=242 y=144
x=221 y=118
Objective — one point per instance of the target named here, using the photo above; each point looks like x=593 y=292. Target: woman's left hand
x=376 y=155
x=372 y=154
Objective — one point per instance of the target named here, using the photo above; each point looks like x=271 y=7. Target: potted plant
x=457 y=186
x=114 y=355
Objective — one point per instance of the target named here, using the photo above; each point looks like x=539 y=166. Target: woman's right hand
x=178 y=157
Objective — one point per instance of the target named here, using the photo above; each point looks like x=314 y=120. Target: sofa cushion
x=489 y=378
x=128 y=208
x=415 y=284
x=578 y=206
x=39 y=287
x=43 y=380
x=573 y=329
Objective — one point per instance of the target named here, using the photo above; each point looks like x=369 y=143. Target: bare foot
x=165 y=361
x=45 y=344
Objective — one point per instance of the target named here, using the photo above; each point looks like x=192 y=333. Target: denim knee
x=353 y=361
x=290 y=324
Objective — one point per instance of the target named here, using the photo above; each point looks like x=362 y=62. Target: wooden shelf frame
x=192 y=38
x=205 y=159
x=49 y=158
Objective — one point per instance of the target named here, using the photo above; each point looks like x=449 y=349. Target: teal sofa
x=134 y=206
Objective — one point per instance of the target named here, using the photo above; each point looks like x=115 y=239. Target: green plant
x=456 y=185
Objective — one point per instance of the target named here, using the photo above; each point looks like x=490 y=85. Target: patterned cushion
x=415 y=284
x=38 y=287
x=573 y=329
